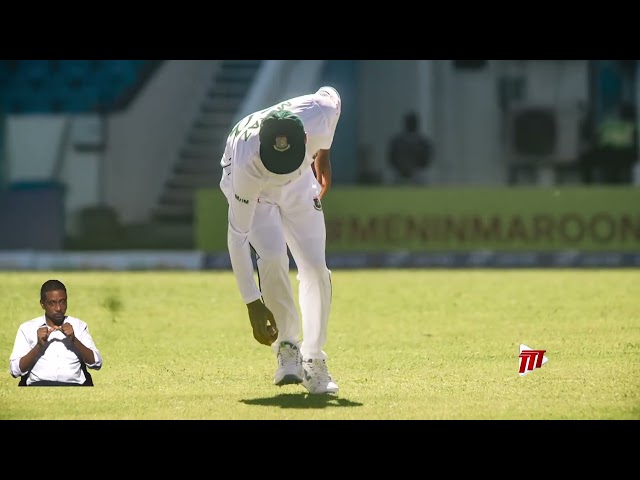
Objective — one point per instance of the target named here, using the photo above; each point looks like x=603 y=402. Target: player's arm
x=242 y=205
x=244 y=198
x=84 y=345
x=322 y=167
x=23 y=357
x=323 y=132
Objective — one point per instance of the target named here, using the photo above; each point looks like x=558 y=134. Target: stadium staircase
x=198 y=163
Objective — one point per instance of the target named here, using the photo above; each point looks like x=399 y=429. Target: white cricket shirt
x=244 y=176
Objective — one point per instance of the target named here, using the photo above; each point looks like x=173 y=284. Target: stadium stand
x=70 y=86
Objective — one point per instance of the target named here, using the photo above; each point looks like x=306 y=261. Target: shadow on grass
x=301 y=400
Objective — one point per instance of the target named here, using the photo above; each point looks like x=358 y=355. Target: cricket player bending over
x=274 y=201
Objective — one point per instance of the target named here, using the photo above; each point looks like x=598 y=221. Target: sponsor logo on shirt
x=241 y=200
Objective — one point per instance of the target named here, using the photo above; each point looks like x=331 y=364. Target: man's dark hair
x=50 y=286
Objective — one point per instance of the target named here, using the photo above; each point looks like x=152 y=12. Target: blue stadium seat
x=24 y=99
x=33 y=72
x=5 y=78
x=9 y=65
x=75 y=100
x=40 y=86
x=115 y=79
x=122 y=71
x=76 y=72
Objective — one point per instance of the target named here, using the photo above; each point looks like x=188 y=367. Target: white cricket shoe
x=316 y=377
x=289 y=365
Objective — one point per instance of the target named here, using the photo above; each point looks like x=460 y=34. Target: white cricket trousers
x=288 y=216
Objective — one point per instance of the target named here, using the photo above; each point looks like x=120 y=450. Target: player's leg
x=306 y=236
x=267 y=240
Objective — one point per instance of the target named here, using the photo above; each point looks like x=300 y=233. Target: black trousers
x=607 y=165
x=48 y=383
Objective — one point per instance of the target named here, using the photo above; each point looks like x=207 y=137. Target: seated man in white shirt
x=54 y=349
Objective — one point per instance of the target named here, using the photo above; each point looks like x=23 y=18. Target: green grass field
x=413 y=344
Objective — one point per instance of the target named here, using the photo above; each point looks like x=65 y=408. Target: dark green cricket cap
x=282 y=142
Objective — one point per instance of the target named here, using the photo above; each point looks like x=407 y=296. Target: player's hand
x=322 y=167
x=264 y=326
x=67 y=329
x=43 y=335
